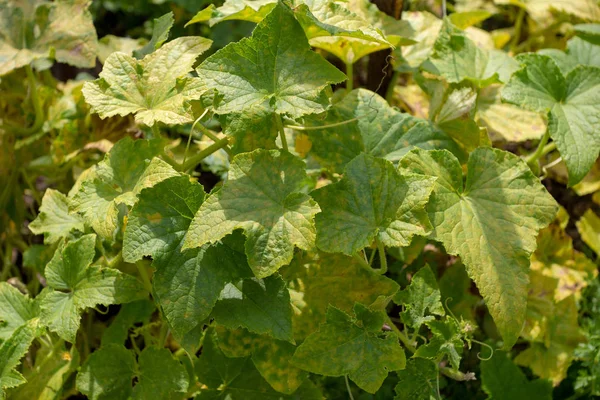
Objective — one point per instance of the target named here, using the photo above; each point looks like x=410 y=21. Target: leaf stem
x=155 y=131
x=350 y=74
x=194 y=160
x=350 y=396
x=389 y=94
x=358 y=258
x=320 y=127
x=279 y=124
x=37 y=105
x=382 y=258
x=517 y=34
x=543 y=148
x=215 y=138
x=144 y=274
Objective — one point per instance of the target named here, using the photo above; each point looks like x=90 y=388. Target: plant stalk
x=543 y=148
x=281 y=131
x=194 y=160
x=382 y=258
x=517 y=34
x=350 y=74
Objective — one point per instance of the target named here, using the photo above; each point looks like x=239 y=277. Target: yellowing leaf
x=155 y=89
x=490 y=221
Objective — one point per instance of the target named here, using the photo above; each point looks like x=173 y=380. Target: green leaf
x=447 y=341
x=263 y=196
x=272 y=358
x=54 y=219
x=186 y=283
x=160 y=376
x=337 y=280
x=334 y=28
x=344 y=346
x=375 y=128
x=588 y=32
x=253 y=129
x=372 y=202
x=496 y=372
x=74 y=285
x=457 y=58
x=455 y=288
x=259 y=305
x=571 y=103
x=578 y=52
x=15 y=310
x=238 y=378
x=490 y=221
x=274 y=69
x=107 y=373
x=129 y=314
x=30 y=30
x=11 y=352
x=115 y=182
x=421 y=299
x=160 y=33
x=419 y=381
x=245 y=10
x=155 y=89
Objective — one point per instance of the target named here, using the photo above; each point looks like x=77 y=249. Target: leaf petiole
x=382 y=258
x=281 y=131
x=195 y=160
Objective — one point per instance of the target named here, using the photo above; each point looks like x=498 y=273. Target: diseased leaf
x=16 y=309
x=334 y=28
x=259 y=305
x=272 y=358
x=245 y=10
x=490 y=221
x=421 y=299
x=11 y=352
x=238 y=379
x=54 y=219
x=542 y=10
x=372 y=202
x=507 y=121
x=155 y=89
x=30 y=30
x=457 y=58
x=589 y=228
x=375 y=128
x=552 y=329
x=345 y=346
x=418 y=381
x=107 y=373
x=571 y=103
x=52 y=369
x=263 y=196
x=113 y=185
x=337 y=280
x=74 y=285
x=160 y=375
x=274 y=69
x=503 y=380
x=555 y=257
x=425 y=27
